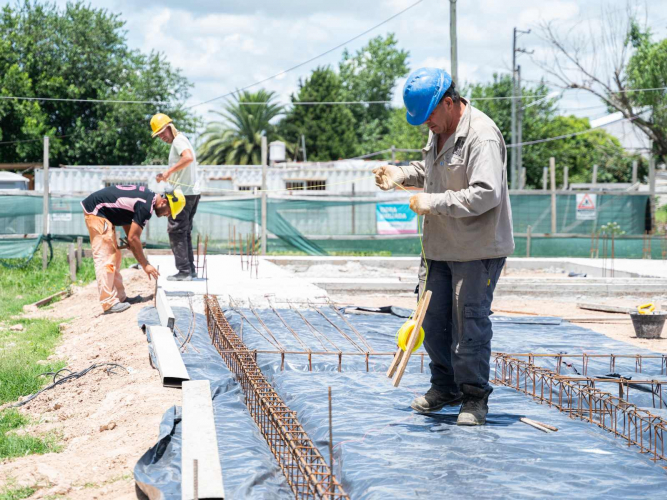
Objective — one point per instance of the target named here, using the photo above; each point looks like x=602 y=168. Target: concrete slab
x=226 y=278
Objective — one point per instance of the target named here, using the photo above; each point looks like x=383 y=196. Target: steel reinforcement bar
x=306 y=472
x=580 y=399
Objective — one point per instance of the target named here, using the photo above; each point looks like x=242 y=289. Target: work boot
x=117 y=308
x=180 y=276
x=134 y=300
x=435 y=400
x=475 y=406
x=193 y=271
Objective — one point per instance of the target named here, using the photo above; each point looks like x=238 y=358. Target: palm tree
x=238 y=139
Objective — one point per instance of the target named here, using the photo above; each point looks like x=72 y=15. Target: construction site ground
x=105 y=422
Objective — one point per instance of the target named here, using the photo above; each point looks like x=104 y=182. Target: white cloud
x=223 y=46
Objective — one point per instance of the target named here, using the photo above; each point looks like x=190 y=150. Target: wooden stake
x=72 y=262
x=79 y=251
x=412 y=341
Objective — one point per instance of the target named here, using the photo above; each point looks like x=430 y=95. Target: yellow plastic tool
x=646 y=308
x=404 y=335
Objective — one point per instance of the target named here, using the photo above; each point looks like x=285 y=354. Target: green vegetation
x=541 y=120
x=16 y=493
x=329 y=129
x=237 y=140
x=19 y=287
x=80 y=52
x=13 y=445
x=20 y=351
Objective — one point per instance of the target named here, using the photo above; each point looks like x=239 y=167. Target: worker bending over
x=182 y=173
x=129 y=207
x=467 y=236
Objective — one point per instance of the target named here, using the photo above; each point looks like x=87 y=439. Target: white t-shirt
x=188 y=175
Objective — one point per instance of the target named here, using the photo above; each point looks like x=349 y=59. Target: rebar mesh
x=306 y=472
x=579 y=398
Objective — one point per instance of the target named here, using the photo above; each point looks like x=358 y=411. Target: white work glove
x=387 y=176
x=421 y=203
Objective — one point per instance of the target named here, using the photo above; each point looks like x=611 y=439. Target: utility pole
x=452 y=38
x=519 y=121
x=264 y=200
x=515 y=167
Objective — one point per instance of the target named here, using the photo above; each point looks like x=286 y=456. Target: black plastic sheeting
x=385 y=450
x=249 y=469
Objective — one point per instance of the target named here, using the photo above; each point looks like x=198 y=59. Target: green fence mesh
x=321 y=226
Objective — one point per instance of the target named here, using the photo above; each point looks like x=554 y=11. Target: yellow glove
x=387 y=176
x=421 y=203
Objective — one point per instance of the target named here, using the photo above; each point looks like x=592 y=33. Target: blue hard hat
x=423 y=91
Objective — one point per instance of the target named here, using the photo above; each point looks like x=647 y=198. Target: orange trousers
x=107 y=258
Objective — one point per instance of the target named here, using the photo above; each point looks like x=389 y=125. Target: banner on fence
x=395 y=218
x=586 y=206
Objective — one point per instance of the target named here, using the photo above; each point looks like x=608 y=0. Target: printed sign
x=586 y=206
x=61 y=217
x=395 y=218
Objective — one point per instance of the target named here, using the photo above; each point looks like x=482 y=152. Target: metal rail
x=306 y=472
x=581 y=399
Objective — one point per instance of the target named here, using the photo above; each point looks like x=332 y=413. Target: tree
x=81 y=53
x=329 y=129
x=238 y=139
x=611 y=61
x=371 y=75
x=402 y=135
x=540 y=121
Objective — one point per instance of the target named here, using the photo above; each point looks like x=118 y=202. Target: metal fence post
x=552 y=168
x=566 y=178
x=651 y=185
x=544 y=178
x=595 y=175
x=529 y=231
x=45 y=209
x=264 y=197
x=634 y=172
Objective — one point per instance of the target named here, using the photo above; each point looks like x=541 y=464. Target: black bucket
x=648 y=326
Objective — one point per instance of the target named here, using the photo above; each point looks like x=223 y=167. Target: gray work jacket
x=471 y=217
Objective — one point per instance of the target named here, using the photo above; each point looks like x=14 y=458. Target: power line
x=96 y=101
x=574 y=134
x=309 y=60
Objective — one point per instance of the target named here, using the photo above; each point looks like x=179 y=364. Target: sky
x=221 y=46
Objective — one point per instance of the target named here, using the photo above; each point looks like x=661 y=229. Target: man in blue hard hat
x=467 y=236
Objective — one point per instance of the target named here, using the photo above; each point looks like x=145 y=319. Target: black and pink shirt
x=121 y=205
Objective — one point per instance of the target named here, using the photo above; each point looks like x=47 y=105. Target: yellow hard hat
x=159 y=122
x=176 y=202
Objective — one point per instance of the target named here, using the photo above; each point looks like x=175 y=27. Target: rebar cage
x=306 y=472
x=579 y=398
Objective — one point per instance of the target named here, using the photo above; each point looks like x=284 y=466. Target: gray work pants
x=457 y=324
x=180 y=235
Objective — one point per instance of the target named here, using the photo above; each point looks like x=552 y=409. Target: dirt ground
x=105 y=422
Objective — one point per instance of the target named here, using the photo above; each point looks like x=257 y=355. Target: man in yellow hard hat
x=131 y=207
x=182 y=177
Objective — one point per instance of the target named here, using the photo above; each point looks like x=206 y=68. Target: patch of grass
x=14 y=445
x=25 y=286
x=19 y=353
x=9 y=493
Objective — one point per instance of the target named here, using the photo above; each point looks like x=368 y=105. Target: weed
x=14 y=445
x=9 y=493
